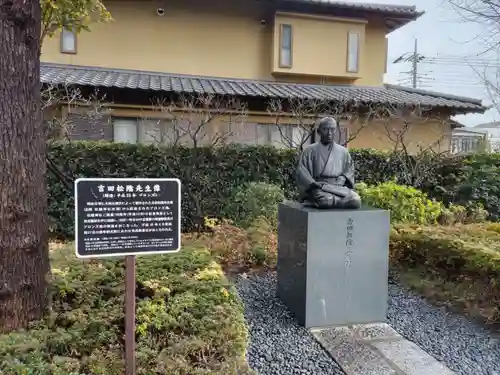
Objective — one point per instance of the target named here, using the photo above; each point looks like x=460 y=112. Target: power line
x=415 y=58
x=450 y=60
x=463 y=60
x=464 y=64
x=472 y=58
x=452 y=78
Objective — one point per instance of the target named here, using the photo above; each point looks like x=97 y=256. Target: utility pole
x=413 y=57
x=414 y=65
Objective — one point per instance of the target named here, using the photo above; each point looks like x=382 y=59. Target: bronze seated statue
x=325 y=173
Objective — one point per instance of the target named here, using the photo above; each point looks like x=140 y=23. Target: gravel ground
x=279 y=346
x=465 y=347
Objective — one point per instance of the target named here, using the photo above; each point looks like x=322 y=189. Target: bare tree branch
x=486 y=14
x=198 y=120
x=414 y=156
x=194 y=121
x=483 y=12
x=62 y=103
x=300 y=116
x=56 y=100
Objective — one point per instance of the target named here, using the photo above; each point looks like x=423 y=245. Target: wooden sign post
x=126 y=217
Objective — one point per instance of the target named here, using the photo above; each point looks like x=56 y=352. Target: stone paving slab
x=377 y=349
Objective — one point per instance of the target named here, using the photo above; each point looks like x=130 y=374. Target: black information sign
x=127 y=216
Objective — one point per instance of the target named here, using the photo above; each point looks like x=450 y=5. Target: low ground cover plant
x=189 y=319
x=237 y=249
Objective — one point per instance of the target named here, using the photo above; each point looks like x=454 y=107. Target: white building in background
x=465 y=140
x=492 y=131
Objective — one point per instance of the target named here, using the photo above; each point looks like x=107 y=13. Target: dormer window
x=352 y=52
x=286 y=46
x=68 y=41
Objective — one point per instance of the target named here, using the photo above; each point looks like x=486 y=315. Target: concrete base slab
x=377 y=349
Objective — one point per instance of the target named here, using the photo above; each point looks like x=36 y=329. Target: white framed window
x=343 y=136
x=286 y=46
x=302 y=135
x=68 y=41
x=352 y=52
x=150 y=131
x=125 y=130
x=242 y=133
x=282 y=136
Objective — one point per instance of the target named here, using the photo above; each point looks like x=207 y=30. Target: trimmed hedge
x=189 y=320
x=468 y=180
x=461 y=250
x=210 y=175
x=466 y=256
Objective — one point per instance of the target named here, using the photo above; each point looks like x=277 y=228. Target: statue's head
x=327 y=128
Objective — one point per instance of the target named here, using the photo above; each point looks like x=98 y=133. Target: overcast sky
x=443 y=38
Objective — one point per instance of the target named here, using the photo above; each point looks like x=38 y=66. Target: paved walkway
x=377 y=349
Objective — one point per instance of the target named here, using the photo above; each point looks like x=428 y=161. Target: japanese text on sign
x=120 y=217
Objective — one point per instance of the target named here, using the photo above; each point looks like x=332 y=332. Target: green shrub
x=407 y=204
x=210 y=175
x=189 y=320
x=476 y=213
x=254 y=200
x=457 y=214
x=374 y=166
x=467 y=257
x=468 y=181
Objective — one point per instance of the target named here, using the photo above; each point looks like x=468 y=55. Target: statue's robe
x=330 y=164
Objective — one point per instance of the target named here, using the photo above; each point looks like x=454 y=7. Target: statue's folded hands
x=338 y=190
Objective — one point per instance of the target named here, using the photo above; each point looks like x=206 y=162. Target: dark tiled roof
x=131 y=79
x=468 y=131
x=488 y=125
x=405 y=10
x=456 y=125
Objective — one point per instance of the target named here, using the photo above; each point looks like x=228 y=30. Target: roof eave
x=451 y=110
x=395 y=16
x=156 y=82
x=477 y=105
x=394 y=23
x=468 y=111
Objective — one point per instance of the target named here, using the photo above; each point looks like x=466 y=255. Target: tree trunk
x=24 y=261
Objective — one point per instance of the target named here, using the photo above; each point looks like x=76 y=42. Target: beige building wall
x=319 y=45
x=374 y=62
x=416 y=134
x=224 y=38
x=166 y=126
